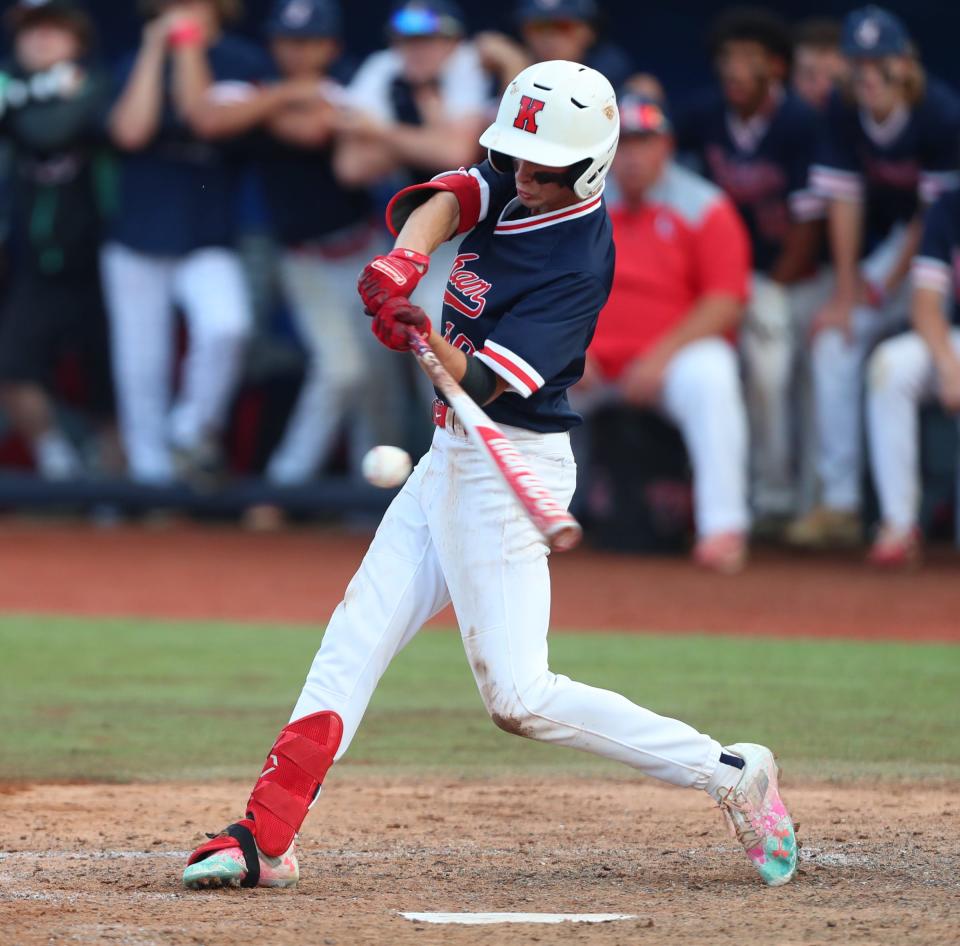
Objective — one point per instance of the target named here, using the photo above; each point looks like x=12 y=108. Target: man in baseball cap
x=555 y=29
x=66 y=14
x=305 y=37
x=872 y=33
x=305 y=19
x=664 y=342
x=415 y=18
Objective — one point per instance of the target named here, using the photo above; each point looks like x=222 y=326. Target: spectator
x=890 y=145
x=555 y=29
x=818 y=64
x=419 y=105
x=51 y=105
x=907 y=370
x=755 y=140
x=663 y=340
x=171 y=242
x=418 y=109
x=325 y=230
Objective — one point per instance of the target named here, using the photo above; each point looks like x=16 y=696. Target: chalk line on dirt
x=483 y=919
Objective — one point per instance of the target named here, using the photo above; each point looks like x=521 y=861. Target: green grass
x=120 y=700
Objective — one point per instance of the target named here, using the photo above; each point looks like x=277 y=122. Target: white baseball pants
x=141 y=292
x=766 y=344
x=454 y=534
x=901 y=375
x=702 y=394
x=837 y=364
x=327 y=313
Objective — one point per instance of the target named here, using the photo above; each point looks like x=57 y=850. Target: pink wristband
x=187 y=33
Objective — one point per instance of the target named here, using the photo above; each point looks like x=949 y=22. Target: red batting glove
x=392 y=324
x=393 y=276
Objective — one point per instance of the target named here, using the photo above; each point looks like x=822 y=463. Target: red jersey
x=686 y=241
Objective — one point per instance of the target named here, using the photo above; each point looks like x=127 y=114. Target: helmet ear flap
x=500 y=162
x=575 y=171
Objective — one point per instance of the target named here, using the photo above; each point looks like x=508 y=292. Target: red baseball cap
x=641 y=115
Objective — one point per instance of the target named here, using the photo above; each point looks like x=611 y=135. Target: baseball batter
x=522 y=301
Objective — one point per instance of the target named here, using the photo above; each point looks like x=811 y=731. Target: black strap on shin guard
x=248 y=847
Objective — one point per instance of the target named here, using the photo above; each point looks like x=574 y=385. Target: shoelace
x=743 y=828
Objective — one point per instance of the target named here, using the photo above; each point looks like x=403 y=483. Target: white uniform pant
x=766 y=344
x=141 y=292
x=806 y=299
x=837 y=369
x=322 y=294
x=703 y=396
x=454 y=534
x=901 y=376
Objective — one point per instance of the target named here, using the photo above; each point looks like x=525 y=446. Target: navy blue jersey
x=937 y=263
x=892 y=167
x=180 y=193
x=524 y=295
x=763 y=164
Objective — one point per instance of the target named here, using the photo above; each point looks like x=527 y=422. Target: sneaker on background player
x=895 y=548
x=539 y=246
x=825 y=528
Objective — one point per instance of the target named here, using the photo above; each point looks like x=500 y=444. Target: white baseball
x=386 y=467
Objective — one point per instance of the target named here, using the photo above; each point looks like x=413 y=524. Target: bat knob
x=565 y=536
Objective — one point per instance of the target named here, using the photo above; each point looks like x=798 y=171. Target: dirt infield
x=298 y=577
x=100 y=864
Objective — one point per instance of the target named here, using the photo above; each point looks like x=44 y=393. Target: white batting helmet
x=560 y=114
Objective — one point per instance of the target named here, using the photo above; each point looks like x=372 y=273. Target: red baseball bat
x=558 y=528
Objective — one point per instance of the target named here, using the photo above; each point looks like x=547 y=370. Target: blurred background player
x=60 y=189
x=680 y=286
x=890 y=145
x=908 y=370
x=819 y=67
x=171 y=243
x=416 y=109
x=755 y=139
x=325 y=230
x=554 y=29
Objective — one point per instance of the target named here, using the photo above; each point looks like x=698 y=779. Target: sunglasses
x=546 y=177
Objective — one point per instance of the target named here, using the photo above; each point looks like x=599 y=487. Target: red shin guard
x=291 y=777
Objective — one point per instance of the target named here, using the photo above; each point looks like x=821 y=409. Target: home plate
x=480 y=919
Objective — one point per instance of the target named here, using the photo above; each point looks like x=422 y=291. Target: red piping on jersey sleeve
x=512 y=368
x=463 y=185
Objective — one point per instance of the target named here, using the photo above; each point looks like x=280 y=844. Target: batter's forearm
x=457 y=363
x=431 y=224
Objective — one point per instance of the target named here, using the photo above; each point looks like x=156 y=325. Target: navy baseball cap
x=305 y=19
x=543 y=11
x=642 y=115
x=427 y=18
x=872 y=32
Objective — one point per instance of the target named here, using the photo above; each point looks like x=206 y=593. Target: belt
x=444 y=418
